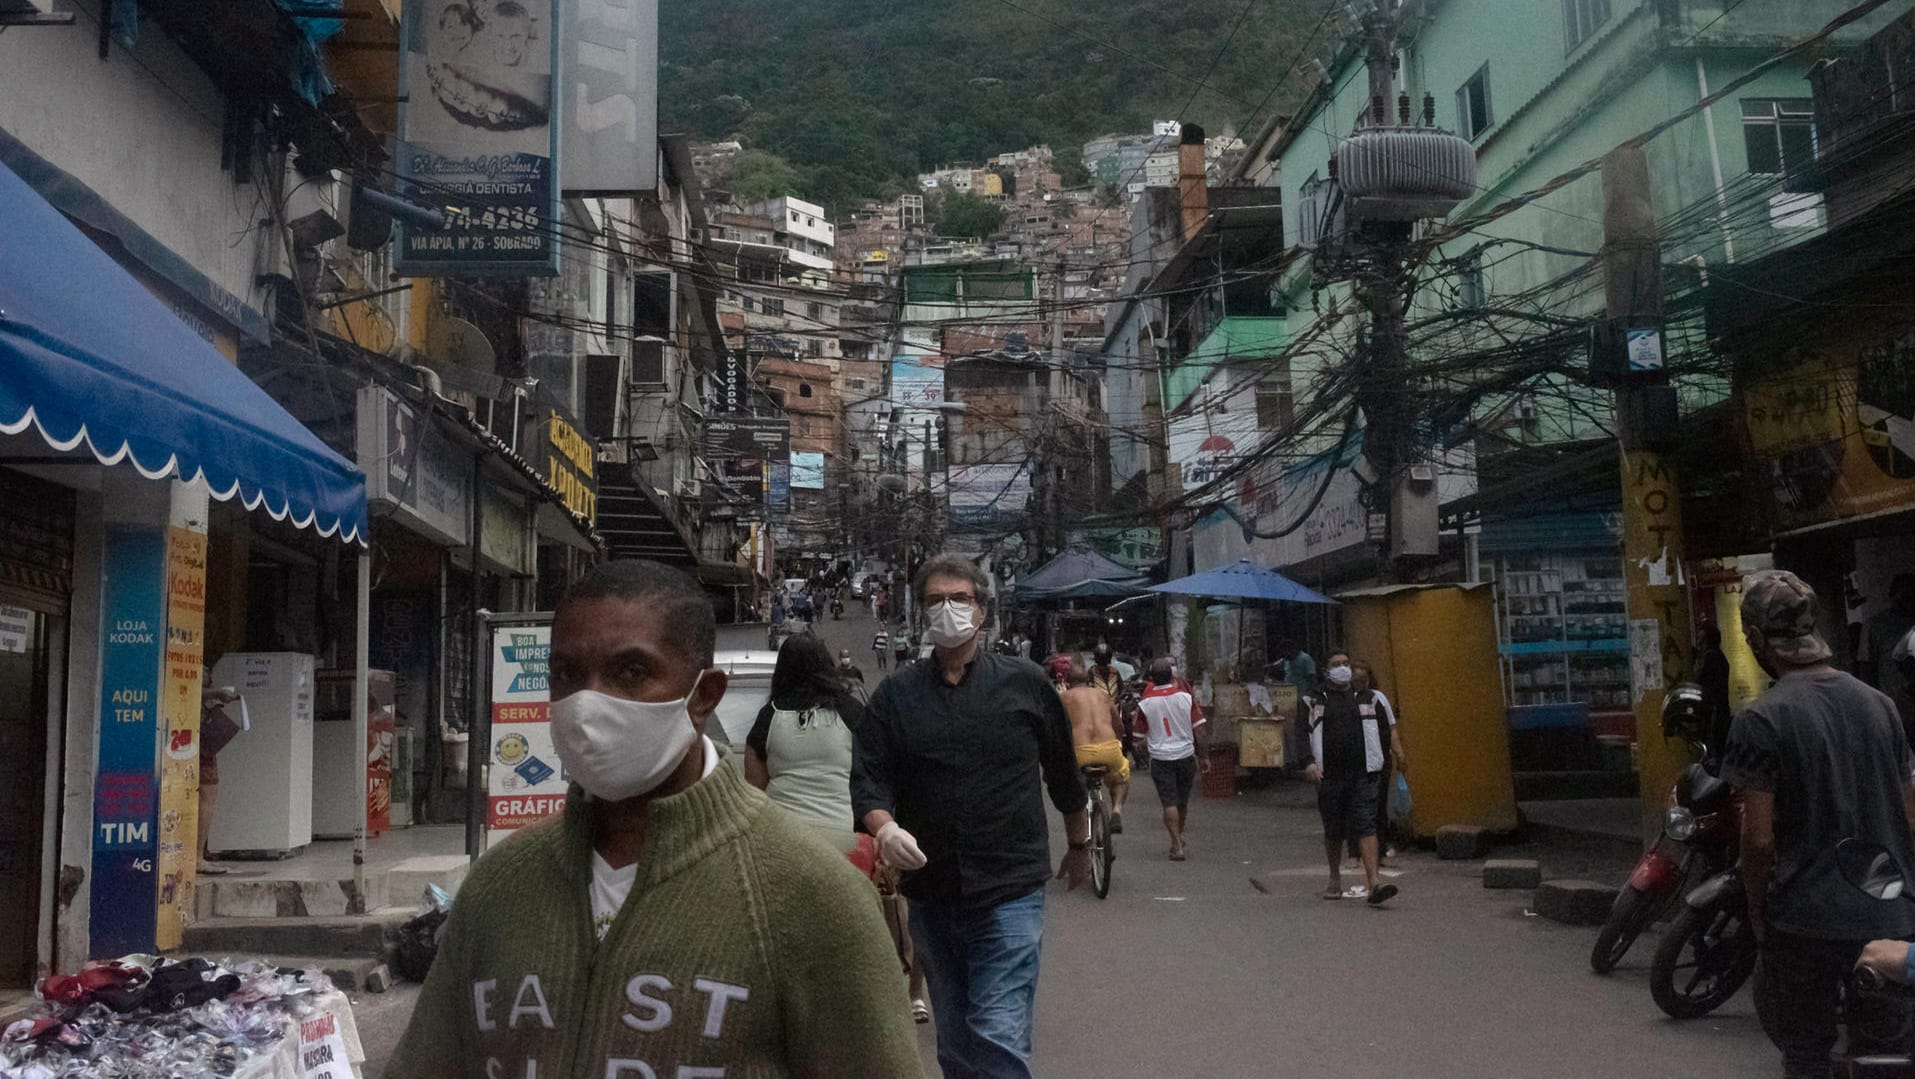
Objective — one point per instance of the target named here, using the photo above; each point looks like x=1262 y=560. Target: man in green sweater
x=672 y=922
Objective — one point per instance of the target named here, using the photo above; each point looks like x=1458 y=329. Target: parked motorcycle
x=837 y=609
x=1708 y=952
x=1699 y=836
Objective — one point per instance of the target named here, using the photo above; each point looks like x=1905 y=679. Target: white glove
x=898 y=847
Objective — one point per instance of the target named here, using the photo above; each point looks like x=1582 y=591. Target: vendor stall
x=161 y=1019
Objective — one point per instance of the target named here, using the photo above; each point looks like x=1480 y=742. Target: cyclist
x=1093 y=717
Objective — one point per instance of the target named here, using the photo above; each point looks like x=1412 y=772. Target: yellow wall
x=1434 y=653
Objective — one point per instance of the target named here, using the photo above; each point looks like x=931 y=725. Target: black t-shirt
x=1344 y=750
x=1833 y=753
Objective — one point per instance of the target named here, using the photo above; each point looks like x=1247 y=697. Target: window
x=1779 y=134
x=652 y=304
x=1472 y=105
x=774 y=306
x=1581 y=18
x=1276 y=405
x=813 y=310
x=804 y=389
x=750 y=304
x=814 y=347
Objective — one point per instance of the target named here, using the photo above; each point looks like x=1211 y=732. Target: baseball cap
x=1781 y=606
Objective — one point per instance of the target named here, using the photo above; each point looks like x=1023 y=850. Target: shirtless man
x=1093 y=716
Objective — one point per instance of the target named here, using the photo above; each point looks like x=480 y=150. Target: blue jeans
x=983 y=973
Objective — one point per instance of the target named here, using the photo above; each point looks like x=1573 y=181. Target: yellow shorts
x=1108 y=754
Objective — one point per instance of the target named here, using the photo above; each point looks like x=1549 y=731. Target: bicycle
x=1102 y=854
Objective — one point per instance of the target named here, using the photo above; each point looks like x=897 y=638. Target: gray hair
x=953 y=565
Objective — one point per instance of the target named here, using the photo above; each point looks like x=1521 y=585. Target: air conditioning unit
x=688 y=488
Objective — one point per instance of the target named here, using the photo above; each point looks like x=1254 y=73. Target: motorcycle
x=837 y=609
x=1708 y=952
x=1700 y=831
x=1870 y=868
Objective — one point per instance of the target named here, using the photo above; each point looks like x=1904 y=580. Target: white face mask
x=618 y=749
x=952 y=624
x=1338 y=675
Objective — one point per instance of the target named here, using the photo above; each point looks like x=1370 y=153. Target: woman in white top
x=799 y=749
x=799 y=753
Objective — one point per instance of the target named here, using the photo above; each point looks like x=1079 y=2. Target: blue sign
x=778 y=485
x=126 y=791
x=534 y=771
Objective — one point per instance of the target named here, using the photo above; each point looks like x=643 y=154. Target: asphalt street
x=1190 y=969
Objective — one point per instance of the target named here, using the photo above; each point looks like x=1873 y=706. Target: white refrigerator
x=265 y=801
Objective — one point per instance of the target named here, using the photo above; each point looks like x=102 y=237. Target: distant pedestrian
x=901 y=646
x=1179 y=738
x=881 y=647
x=1819 y=758
x=1712 y=675
x=1363 y=679
x=847 y=669
x=1348 y=731
x=953 y=762
x=1023 y=645
x=1300 y=671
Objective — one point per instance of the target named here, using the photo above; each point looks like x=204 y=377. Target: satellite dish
x=454 y=341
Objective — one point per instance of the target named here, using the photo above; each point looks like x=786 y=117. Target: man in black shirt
x=952 y=750
x=1818 y=758
x=1712 y=674
x=1348 y=731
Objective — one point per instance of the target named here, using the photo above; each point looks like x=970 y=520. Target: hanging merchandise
x=141 y=1015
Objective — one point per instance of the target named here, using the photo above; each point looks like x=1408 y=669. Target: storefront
x=120 y=426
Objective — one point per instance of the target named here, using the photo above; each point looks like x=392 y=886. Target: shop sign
x=989 y=496
x=525 y=781
x=125 y=792
x=180 y=707
x=739 y=448
x=569 y=465
x=16 y=627
x=611 y=119
x=778 y=486
x=1833 y=433
x=1205 y=444
x=503 y=526
x=808 y=471
x=917 y=381
x=412 y=469
x=478 y=136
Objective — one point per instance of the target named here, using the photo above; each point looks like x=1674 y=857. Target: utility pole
x=1629 y=347
x=1382 y=393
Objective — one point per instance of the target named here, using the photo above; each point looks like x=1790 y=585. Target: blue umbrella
x=1242 y=581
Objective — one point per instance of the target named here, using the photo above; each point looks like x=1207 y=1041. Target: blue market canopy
x=1079 y=573
x=88 y=356
x=1242 y=581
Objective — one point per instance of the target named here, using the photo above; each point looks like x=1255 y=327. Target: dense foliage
x=965 y=217
x=861 y=95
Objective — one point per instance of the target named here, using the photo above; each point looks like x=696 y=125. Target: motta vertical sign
x=610 y=80
x=479 y=135
x=126 y=789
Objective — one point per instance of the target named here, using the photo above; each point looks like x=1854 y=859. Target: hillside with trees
x=843 y=99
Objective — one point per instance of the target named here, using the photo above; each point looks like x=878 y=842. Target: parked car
x=862 y=583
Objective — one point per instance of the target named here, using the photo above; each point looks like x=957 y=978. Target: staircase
x=636 y=526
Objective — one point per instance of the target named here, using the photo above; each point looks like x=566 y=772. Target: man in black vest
x=1349 y=730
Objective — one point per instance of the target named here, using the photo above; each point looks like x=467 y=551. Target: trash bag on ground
x=418 y=939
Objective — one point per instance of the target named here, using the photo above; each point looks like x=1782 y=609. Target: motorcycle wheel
x=1702 y=961
x=1627 y=919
